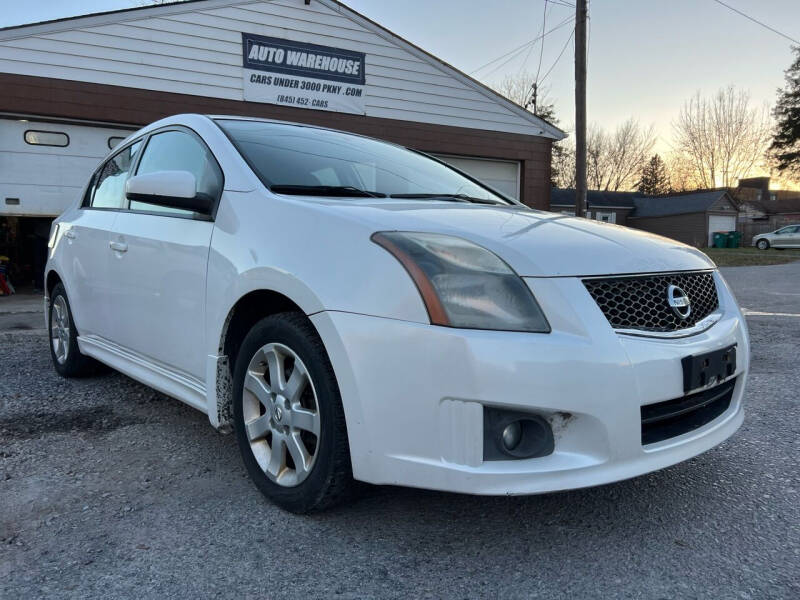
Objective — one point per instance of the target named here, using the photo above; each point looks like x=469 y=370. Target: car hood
x=534 y=243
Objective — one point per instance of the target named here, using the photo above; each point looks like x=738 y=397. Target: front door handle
x=118 y=246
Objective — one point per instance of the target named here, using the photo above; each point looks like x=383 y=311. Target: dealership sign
x=303 y=75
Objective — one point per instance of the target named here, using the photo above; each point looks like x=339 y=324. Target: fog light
x=514 y=434
x=511 y=435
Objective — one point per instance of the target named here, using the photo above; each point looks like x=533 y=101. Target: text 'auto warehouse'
x=73 y=88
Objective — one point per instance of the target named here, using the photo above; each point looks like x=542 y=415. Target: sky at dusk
x=645 y=56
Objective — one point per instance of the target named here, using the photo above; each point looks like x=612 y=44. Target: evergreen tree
x=654 y=180
x=786 y=143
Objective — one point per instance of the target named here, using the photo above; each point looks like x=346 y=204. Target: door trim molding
x=173 y=383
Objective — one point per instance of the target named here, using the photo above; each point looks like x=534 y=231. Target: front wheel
x=67 y=358
x=762 y=244
x=288 y=415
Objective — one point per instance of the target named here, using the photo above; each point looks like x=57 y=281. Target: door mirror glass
x=169 y=189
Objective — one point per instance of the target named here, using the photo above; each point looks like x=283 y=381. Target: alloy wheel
x=281 y=414
x=59 y=329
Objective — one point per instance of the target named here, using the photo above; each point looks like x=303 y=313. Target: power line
x=516 y=51
x=530 y=49
x=541 y=46
x=754 y=20
x=560 y=54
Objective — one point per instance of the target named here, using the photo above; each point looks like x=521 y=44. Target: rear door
x=88 y=237
x=159 y=261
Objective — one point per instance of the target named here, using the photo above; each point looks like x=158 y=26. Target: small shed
x=691 y=218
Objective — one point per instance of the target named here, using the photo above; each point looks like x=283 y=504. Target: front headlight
x=463 y=284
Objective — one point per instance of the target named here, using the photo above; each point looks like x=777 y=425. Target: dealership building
x=73 y=88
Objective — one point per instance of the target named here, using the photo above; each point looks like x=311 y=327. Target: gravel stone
x=109 y=489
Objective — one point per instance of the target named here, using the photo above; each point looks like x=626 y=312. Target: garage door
x=43 y=165
x=502 y=175
x=720 y=223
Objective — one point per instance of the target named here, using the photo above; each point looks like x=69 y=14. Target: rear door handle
x=118 y=246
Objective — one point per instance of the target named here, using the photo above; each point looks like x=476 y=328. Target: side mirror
x=171 y=189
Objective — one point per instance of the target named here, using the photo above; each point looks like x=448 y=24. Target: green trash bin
x=734 y=239
x=720 y=239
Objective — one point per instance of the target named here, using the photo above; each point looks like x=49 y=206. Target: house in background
x=762 y=210
x=609 y=207
x=691 y=218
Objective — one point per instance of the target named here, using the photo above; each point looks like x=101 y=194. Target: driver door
x=160 y=258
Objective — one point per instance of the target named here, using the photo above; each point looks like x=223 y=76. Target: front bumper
x=414 y=395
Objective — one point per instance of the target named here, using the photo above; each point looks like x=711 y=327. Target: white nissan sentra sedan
x=357 y=310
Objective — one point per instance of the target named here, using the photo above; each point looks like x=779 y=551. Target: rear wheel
x=67 y=358
x=762 y=244
x=288 y=415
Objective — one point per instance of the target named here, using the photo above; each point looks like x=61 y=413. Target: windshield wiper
x=450 y=197
x=339 y=191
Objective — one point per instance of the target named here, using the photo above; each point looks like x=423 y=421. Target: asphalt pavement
x=109 y=489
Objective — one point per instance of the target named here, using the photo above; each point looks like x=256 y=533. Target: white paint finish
x=720 y=223
x=85 y=240
x=160 y=281
x=47 y=178
x=196 y=49
x=174 y=184
x=168 y=319
x=601 y=441
x=503 y=175
x=461 y=430
x=164 y=379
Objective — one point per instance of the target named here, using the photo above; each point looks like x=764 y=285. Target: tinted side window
x=179 y=151
x=109 y=185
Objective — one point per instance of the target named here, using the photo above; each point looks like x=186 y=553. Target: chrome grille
x=640 y=302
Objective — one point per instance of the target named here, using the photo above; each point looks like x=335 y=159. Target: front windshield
x=290 y=156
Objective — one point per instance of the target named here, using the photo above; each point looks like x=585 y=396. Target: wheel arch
x=52 y=278
x=244 y=312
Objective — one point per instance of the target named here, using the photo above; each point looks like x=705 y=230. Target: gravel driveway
x=110 y=489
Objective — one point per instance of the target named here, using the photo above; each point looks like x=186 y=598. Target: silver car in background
x=785 y=237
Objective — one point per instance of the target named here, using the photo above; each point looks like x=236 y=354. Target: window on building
x=46 y=138
x=606 y=216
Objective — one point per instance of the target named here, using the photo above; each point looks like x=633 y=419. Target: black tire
x=762 y=244
x=330 y=479
x=74 y=364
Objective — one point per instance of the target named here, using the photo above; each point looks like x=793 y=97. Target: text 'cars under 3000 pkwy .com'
x=357 y=310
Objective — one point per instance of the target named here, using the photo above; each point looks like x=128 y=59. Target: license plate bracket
x=702 y=370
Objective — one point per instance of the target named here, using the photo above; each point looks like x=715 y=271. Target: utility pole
x=581 y=13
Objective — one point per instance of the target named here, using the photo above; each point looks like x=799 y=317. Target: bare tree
x=681 y=173
x=562 y=167
x=519 y=89
x=723 y=137
x=614 y=160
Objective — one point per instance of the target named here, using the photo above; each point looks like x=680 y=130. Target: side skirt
x=176 y=384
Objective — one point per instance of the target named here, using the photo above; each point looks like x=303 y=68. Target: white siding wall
x=45 y=179
x=196 y=49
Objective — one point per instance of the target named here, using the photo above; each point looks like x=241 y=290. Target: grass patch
x=748 y=257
